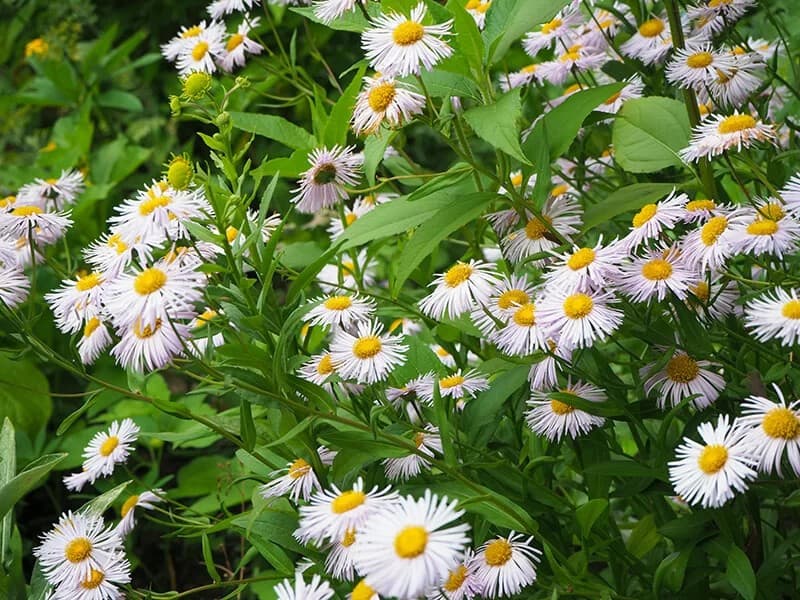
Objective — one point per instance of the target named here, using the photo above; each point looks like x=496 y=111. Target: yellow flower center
x=613 y=98
x=772 y=211
x=699 y=60
x=647 y=212
x=9 y=200
x=200 y=50
x=95 y=579
x=736 y=123
x=712 y=459
x=362 y=591
x=651 y=28
x=90 y=326
x=408 y=33
x=791 y=310
x=149 y=281
x=325 y=365
x=762 y=227
x=529 y=69
x=681 y=368
x=457 y=274
x=192 y=32
x=537 y=228
x=130 y=503
x=559 y=190
x=419 y=439
x=781 y=423
x=349 y=538
x=455 y=579
x=234 y=42
x=348 y=267
x=411 y=541
x=367 y=347
x=107 y=447
x=581 y=258
x=560 y=408
x=498 y=553
x=575 y=87
x=381 y=96
x=350 y=218
x=702 y=291
x=152 y=203
x=338 y=303
x=717 y=3
x=551 y=26
x=511 y=298
x=578 y=306
x=87 y=282
x=115 y=241
x=347 y=501
x=525 y=315
x=451 y=381
x=26 y=211
x=147 y=332
x=298 y=468
x=657 y=269
x=703 y=204
x=442 y=352
x=230 y=233
x=710 y=232
x=78 y=550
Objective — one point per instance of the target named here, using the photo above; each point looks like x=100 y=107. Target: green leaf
x=27 y=479
x=622 y=468
x=468 y=38
x=275 y=128
x=443 y=84
x=24 y=395
x=644 y=537
x=97 y=506
x=441 y=224
x=480 y=414
x=120 y=100
x=628 y=198
x=740 y=573
x=339 y=120
x=649 y=132
x=374 y=149
x=247 y=426
x=287 y=166
x=8 y=467
x=350 y=21
x=498 y=124
x=508 y=20
x=587 y=514
x=671 y=571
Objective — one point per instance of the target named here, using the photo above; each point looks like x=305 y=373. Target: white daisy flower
x=525 y=76
x=603 y=25
x=765 y=49
x=713 y=299
x=708 y=473
x=61 y=192
x=343 y=310
x=411 y=547
x=478 y=9
x=323 y=184
x=503 y=566
x=509 y=294
x=775 y=315
x=554 y=419
x=562 y=213
x=316 y=590
x=76 y=300
x=298 y=480
x=331 y=514
x=777 y=234
x=111 y=253
x=239 y=44
x=28 y=222
x=459 y=289
x=682 y=377
x=400 y=46
x=585 y=268
x=733 y=88
x=713 y=16
x=523 y=333
x=791 y=194
x=405 y=467
x=577 y=58
x=219 y=8
x=458 y=386
x=772 y=429
x=461 y=583
x=360 y=207
x=144 y=348
x=560 y=30
x=340 y=562
x=701 y=210
x=710 y=245
x=328 y=11
x=200 y=51
x=94 y=340
x=342 y=276
x=362 y=591
x=653 y=219
x=203 y=335
x=384 y=99
x=187 y=38
x=718 y=133
x=544 y=374
x=447 y=359
x=14 y=287
x=109 y=448
x=102 y=583
x=651 y=42
x=145 y=500
x=696 y=66
x=73 y=548
x=369 y=356
x=317 y=369
x=655 y=276
x=634 y=88
x=580 y=318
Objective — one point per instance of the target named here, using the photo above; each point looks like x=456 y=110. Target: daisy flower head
x=404 y=468
x=368 y=356
x=478 y=9
x=239 y=44
x=559 y=31
x=682 y=377
x=734 y=87
x=718 y=133
x=328 y=11
x=766 y=229
x=634 y=88
x=362 y=591
x=199 y=52
x=109 y=448
x=577 y=58
x=31 y=224
x=712 y=298
x=344 y=310
x=603 y=24
x=544 y=374
x=458 y=385
x=385 y=100
x=399 y=46
x=219 y=8
x=561 y=214
x=298 y=480
x=323 y=184
x=461 y=583
x=76 y=300
x=60 y=192
x=94 y=339
x=505 y=565
x=331 y=514
x=145 y=500
x=77 y=545
x=525 y=76
x=340 y=562
x=791 y=194
x=342 y=276
x=318 y=369
x=710 y=245
x=112 y=252
x=653 y=219
x=655 y=276
x=713 y=16
x=459 y=289
x=300 y=590
x=773 y=428
x=701 y=210
x=204 y=335
x=554 y=418
x=710 y=473
x=351 y=215
x=508 y=294
x=409 y=548
x=775 y=315
x=651 y=42
x=523 y=333
x=14 y=287
x=586 y=267
x=145 y=348
x=104 y=581
x=581 y=318
x=696 y=66
x=188 y=37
